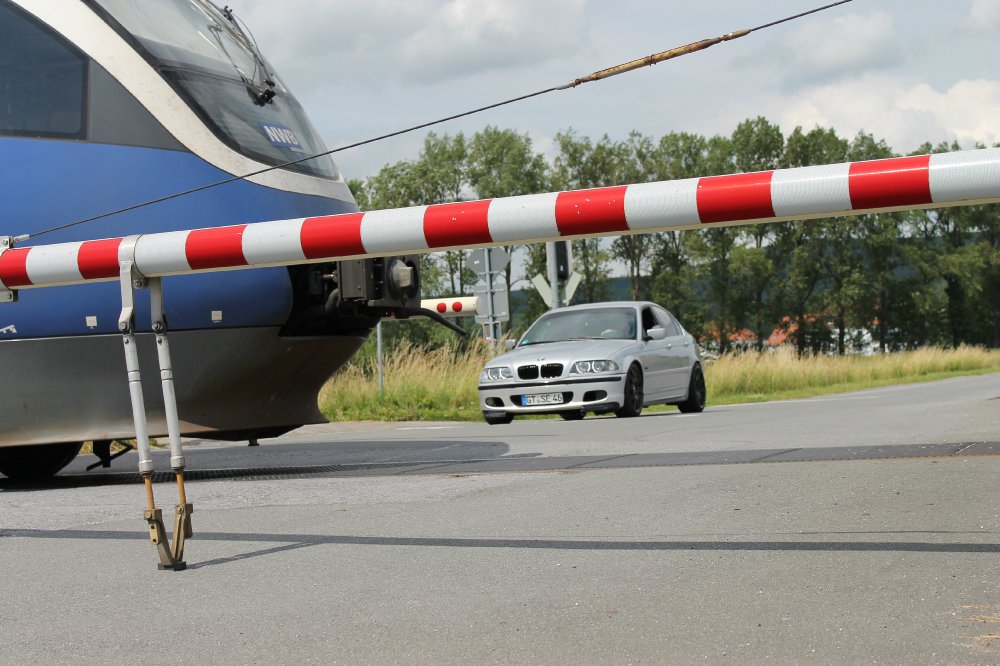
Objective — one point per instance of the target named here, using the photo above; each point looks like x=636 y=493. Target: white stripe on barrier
x=667 y=204
x=162 y=254
x=391 y=230
x=54 y=264
x=518 y=219
x=809 y=190
x=971 y=175
x=273 y=242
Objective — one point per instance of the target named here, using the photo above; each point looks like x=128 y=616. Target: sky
x=907 y=71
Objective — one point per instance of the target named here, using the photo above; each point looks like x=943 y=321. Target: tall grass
x=750 y=377
x=441 y=384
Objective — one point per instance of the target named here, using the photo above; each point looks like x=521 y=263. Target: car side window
x=648 y=320
x=669 y=323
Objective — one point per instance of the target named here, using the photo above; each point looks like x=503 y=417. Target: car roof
x=606 y=304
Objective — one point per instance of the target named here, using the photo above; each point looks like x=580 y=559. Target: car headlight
x=496 y=374
x=588 y=367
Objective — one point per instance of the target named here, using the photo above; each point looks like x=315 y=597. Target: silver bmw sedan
x=604 y=357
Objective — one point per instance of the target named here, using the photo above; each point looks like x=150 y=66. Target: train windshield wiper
x=264 y=89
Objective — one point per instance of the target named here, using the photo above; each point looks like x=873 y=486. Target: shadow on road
x=295 y=541
x=458 y=457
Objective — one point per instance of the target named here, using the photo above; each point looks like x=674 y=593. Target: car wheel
x=696 y=393
x=575 y=415
x=498 y=418
x=632 y=404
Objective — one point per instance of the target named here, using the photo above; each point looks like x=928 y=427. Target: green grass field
x=441 y=385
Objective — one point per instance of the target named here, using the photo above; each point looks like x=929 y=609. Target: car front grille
x=548 y=371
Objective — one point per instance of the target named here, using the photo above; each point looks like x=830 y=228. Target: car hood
x=567 y=352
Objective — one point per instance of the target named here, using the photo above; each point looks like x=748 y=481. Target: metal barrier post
x=130 y=280
x=183 y=510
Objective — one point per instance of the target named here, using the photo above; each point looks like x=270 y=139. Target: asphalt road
x=856 y=528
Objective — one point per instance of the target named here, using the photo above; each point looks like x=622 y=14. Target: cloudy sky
x=907 y=71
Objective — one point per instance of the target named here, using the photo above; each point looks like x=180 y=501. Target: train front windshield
x=201 y=50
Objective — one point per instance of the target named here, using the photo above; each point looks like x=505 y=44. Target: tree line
x=887 y=281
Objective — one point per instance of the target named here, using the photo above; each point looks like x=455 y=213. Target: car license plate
x=542 y=399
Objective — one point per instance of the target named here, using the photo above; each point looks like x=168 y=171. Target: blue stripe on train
x=44 y=184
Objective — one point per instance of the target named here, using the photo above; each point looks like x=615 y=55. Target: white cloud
x=831 y=49
x=969 y=110
x=904 y=115
x=462 y=37
x=984 y=16
x=384 y=42
x=361 y=69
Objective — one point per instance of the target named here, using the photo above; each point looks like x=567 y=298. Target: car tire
x=575 y=415
x=498 y=418
x=632 y=403
x=696 y=393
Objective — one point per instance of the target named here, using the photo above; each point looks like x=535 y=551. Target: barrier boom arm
x=927 y=181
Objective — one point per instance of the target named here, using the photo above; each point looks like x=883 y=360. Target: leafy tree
x=636 y=158
x=757 y=146
x=502 y=163
x=910 y=278
x=441 y=169
x=883 y=298
x=678 y=155
x=582 y=164
x=712 y=250
x=797 y=247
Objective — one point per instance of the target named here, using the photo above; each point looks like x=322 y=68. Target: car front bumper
x=599 y=393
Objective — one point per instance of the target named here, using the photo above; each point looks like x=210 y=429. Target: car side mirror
x=509 y=344
x=656 y=333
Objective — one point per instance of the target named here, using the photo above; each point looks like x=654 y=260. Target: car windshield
x=592 y=324
x=204 y=52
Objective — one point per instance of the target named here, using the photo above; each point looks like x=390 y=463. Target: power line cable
x=595 y=76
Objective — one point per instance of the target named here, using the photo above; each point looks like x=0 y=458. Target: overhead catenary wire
x=595 y=76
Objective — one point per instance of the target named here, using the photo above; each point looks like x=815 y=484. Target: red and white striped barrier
x=457 y=306
x=928 y=181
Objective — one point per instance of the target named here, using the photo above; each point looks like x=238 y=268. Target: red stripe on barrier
x=215 y=248
x=902 y=181
x=332 y=236
x=741 y=196
x=14 y=268
x=99 y=259
x=591 y=211
x=462 y=223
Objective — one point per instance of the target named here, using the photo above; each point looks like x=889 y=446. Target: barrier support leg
x=183 y=509
x=131 y=280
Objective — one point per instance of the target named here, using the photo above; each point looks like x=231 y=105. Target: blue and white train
x=109 y=103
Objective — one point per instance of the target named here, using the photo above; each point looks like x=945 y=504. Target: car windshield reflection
x=596 y=324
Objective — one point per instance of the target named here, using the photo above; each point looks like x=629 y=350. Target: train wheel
x=36 y=462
